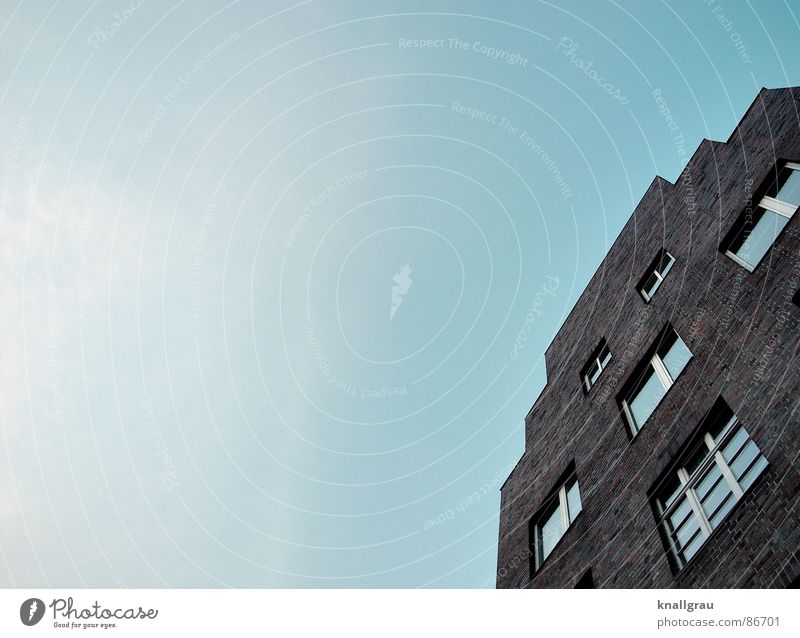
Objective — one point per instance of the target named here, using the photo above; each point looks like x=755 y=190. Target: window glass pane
x=676 y=358
x=752 y=474
x=651 y=284
x=705 y=485
x=690 y=549
x=716 y=497
x=550 y=532
x=680 y=515
x=721 y=427
x=790 y=191
x=722 y=510
x=761 y=237
x=669 y=492
x=744 y=459
x=687 y=532
x=733 y=446
x=605 y=357
x=646 y=400
x=666 y=264
x=696 y=459
x=593 y=373
x=573 y=501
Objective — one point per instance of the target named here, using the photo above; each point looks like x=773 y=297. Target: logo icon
x=403 y=283
x=31 y=611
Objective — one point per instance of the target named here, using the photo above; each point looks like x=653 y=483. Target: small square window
x=555 y=518
x=653 y=378
x=655 y=274
x=719 y=464
x=759 y=226
x=598 y=362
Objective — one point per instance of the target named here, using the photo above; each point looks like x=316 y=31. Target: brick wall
x=742 y=329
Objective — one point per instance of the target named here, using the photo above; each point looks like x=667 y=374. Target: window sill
x=741 y=262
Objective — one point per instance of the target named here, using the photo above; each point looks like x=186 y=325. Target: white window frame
x=657 y=272
x=771 y=204
x=660 y=370
x=563 y=508
x=598 y=362
x=690 y=482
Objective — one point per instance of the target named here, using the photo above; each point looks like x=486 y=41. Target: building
x=663 y=451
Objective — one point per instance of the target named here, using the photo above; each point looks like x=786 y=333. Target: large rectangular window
x=654 y=377
x=710 y=478
x=758 y=228
x=655 y=274
x=554 y=519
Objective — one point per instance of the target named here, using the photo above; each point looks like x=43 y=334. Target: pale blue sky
x=204 y=207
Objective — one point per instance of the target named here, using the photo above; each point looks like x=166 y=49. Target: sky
x=277 y=278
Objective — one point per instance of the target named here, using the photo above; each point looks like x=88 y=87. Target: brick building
x=663 y=451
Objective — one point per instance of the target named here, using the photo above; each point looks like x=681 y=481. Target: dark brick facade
x=743 y=329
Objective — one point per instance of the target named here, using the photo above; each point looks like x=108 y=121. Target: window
x=758 y=229
x=796 y=298
x=586 y=581
x=600 y=359
x=655 y=274
x=555 y=518
x=653 y=378
x=718 y=468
